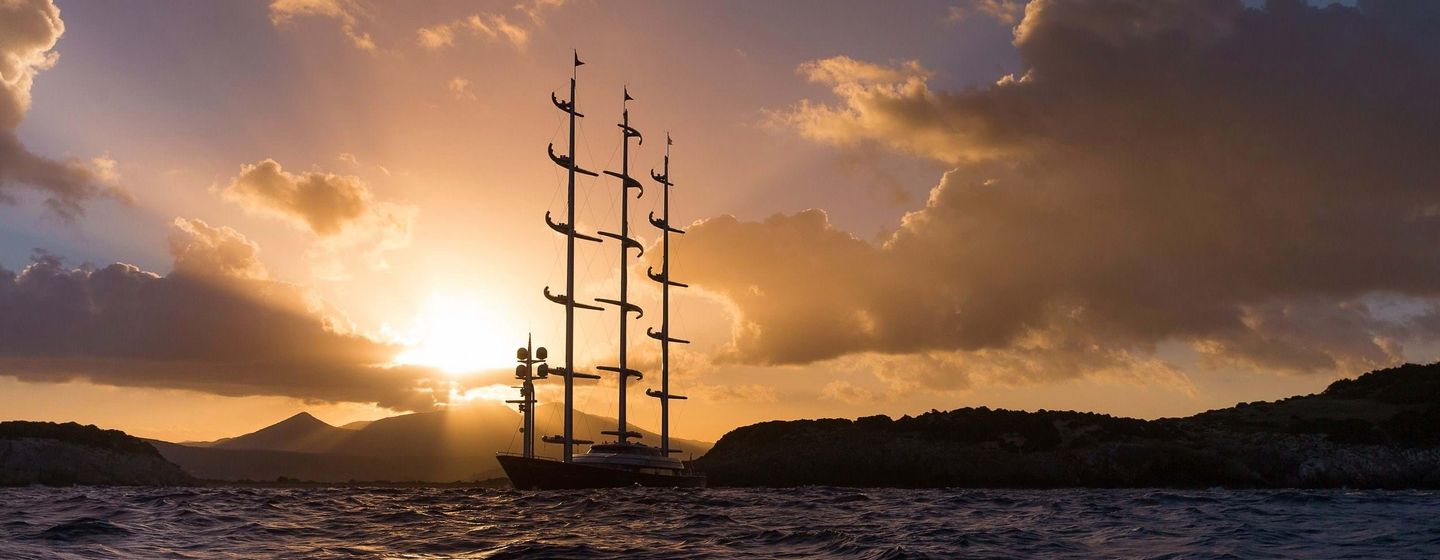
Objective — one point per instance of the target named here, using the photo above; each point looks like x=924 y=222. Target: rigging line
x=605 y=331
x=590 y=193
x=590 y=258
x=555 y=170
x=554 y=194
x=585 y=138
x=556 y=247
x=515 y=434
x=590 y=187
x=553 y=321
x=554 y=259
x=589 y=209
x=610 y=210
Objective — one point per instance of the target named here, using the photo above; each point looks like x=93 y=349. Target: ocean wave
x=811 y=522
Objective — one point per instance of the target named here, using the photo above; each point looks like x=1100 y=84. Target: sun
x=458 y=336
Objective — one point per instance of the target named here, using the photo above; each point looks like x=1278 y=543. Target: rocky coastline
x=71 y=454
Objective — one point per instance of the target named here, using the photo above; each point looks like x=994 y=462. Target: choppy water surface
x=716 y=523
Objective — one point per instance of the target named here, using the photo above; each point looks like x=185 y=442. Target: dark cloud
x=215 y=324
x=28 y=32
x=1258 y=184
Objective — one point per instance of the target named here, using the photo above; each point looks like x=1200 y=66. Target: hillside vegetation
x=1381 y=430
x=68 y=454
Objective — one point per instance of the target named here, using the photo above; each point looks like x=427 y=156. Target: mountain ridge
x=437 y=446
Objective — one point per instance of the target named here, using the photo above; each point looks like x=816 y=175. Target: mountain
x=442 y=446
x=301 y=432
x=1381 y=430
x=66 y=454
x=264 y=465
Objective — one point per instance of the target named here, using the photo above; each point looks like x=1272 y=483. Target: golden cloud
x=491 y=26
x=339 y=210
x=215 y=324
x=347 y=12
x=1151 y=178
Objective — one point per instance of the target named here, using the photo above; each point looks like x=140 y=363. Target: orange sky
x=1021 y=209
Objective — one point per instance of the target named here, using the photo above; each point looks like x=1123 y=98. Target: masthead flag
x=577 y=58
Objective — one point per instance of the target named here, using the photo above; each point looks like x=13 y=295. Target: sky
x=216 y=214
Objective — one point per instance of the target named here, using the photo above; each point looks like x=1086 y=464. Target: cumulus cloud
x=202 y=250
x=490 y=26
x=338 y=209
x=1255 y=184
x=28 y=32
x=215 y=324
x=347 y=12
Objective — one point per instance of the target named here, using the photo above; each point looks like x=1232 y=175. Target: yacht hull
x=549 y=474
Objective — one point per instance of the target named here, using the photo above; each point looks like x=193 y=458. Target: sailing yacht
x=625 y=461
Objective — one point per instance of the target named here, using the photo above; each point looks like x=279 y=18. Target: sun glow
x=458 y=336
x=496 y=393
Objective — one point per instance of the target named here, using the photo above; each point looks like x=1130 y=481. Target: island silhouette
x=1375 y=431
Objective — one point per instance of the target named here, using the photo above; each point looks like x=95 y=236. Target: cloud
x=324 y=203
x=347 y=12
x=215 y=324
x=847 y=392
x=536 y=9
x=892 y=105
x=338 y=209
x=29 y=30
x=490 y=26
x=1257 y=185
x=202 y=250
x=733 y=393
x=1004 y=11
x=436 y=37
x=460 y=88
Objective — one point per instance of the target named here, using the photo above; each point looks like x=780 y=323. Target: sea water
x=817 y=522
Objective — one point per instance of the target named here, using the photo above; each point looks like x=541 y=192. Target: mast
x=622 y=431
x=526 y=372
x=568 y=298
x=663 y=278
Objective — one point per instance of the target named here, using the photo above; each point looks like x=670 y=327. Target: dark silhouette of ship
x=621 y=462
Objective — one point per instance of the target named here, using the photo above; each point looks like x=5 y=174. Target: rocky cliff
x=1381 y=430
x=65 y=454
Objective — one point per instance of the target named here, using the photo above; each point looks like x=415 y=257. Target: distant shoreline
x=1379 y=431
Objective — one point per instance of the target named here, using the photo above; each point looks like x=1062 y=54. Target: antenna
x=527 y=373
x=663 y=277
x=568 y=298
